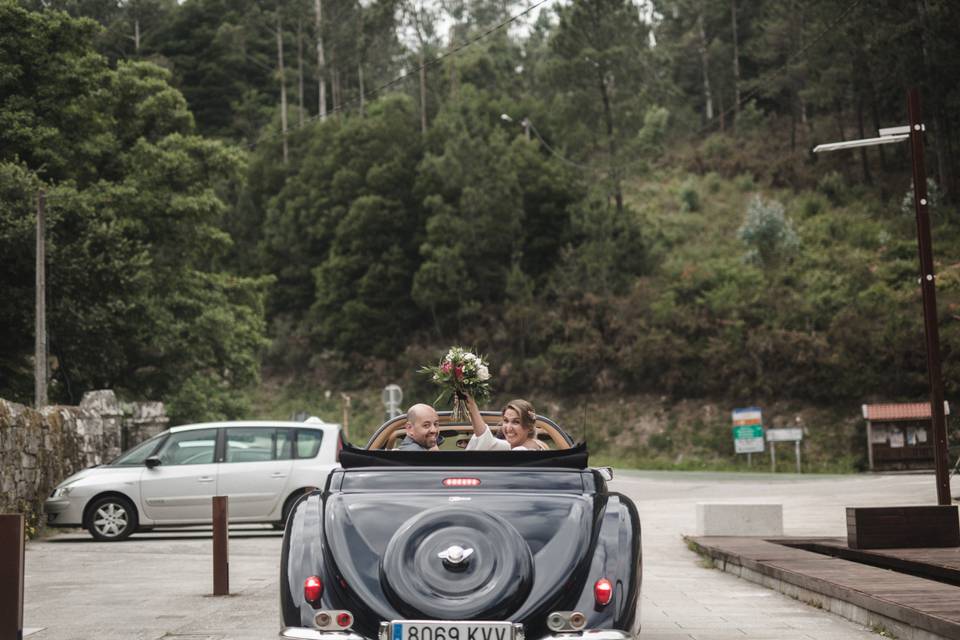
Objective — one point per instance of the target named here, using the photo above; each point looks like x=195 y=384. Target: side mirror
x=152 y=461
x=606 y=473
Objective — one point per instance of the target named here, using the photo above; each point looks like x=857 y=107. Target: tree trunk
x=721 y=112
x=136 y=35
x=867 y=178
x=283 y=89
x=360 y=55
x=705 y=63
x=337 y=87
x=423 y=91
x=875 y=112
x=736 y=65
x=321 y=67
x=611 y=141
x=300 y=69
x=932 y=106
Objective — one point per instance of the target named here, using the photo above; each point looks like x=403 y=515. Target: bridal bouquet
x=460 y=371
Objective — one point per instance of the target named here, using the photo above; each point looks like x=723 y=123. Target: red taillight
x=344 y=620
x=461 y=482
x=312 y=590
x=603 y=591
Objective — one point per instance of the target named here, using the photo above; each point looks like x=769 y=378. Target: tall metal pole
x=929 y=291
x=40 y=343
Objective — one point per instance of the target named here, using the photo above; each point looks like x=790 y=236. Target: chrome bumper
x=303 y=633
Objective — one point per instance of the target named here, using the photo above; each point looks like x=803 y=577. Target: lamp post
x=914 y=132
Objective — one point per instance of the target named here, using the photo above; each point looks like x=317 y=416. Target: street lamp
x=914 y=132
x=525 y=123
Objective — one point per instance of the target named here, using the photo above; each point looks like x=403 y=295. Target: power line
x=426 y=65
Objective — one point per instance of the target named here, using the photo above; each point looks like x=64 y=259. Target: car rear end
x=461 y=553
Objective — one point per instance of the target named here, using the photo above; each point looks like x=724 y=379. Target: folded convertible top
x=573 y=458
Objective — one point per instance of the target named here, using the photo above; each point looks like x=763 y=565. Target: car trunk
x=460 y=544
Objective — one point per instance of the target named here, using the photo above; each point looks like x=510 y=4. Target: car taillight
x=312 y=590
x=461 y=482
x=603 y=591
x=332 y=620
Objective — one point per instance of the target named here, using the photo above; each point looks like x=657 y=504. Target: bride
x=518 y=428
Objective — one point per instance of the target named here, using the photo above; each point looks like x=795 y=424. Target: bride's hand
x=471 y=403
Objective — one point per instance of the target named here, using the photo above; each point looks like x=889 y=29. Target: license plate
x=451 y=630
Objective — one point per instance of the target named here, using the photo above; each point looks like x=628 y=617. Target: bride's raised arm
x=479 y=424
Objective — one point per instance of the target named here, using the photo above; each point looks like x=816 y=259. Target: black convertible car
x=462 y=545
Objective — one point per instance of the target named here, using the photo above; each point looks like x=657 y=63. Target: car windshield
x=139 y=453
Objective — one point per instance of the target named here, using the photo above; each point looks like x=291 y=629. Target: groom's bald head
x=423 y=425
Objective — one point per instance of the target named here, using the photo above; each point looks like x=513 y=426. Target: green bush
x=811 y=206
x=834 y=187
x=689 y=197
x=767 y=232
x=744 y=182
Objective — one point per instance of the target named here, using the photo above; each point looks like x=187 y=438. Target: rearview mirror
x=152 y=461
x=606 y=473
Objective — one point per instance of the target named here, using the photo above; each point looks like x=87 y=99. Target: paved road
x=684 y=601
x=156 y=585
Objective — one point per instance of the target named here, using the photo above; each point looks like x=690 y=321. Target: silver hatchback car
x=263 y=467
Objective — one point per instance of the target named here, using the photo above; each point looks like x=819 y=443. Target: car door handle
x=277 y=474
x=205 y=479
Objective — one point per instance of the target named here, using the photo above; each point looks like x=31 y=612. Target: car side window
x=189 y=447
x=256 y=444
x=284 y=444
x=308 y=442
x=136 y=455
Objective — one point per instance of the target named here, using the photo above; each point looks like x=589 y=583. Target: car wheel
x=111 y=518
x=288 y=505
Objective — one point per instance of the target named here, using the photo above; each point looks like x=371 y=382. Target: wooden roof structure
x=900 y=411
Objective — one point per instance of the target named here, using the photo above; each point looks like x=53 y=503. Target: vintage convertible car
x=462 y=545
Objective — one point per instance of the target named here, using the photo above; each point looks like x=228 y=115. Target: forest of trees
x=604 y=195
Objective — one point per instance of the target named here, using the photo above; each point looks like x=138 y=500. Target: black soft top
x=573 y=458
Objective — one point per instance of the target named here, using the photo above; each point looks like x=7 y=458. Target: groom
x=422 y=427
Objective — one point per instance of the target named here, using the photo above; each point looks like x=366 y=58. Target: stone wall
x=38 y=449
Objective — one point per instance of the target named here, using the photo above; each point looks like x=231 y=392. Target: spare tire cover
x=490 y=582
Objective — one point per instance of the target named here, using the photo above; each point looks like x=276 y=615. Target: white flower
x=470 y=357
x=483 y=373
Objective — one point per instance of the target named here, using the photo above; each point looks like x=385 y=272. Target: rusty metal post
x=11 y=575
x=221 y=562
x=928 y=289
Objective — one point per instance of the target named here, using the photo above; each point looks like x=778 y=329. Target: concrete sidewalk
x=152 y=586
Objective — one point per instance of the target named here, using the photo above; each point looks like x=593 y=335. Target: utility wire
x=426 y=65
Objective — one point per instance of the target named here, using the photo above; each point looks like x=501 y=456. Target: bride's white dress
x=487 y=442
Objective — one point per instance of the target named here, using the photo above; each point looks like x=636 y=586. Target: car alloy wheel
x=112 y=518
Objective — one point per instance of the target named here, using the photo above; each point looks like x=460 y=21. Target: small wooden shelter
x=900 y=436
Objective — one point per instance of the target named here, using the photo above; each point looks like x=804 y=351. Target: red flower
x=458 y=372
x=446 y=366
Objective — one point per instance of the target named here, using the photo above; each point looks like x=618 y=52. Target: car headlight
x=61 y=492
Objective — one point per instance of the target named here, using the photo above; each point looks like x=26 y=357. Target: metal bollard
x=221 y=564
x=11 y=575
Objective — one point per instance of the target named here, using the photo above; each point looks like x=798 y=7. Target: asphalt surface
x=158 y=585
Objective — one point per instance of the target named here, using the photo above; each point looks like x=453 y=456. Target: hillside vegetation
x=615 y=201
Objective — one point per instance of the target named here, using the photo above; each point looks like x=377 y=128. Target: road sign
x=748 y=430
x=392 y=396
x=784 y=435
